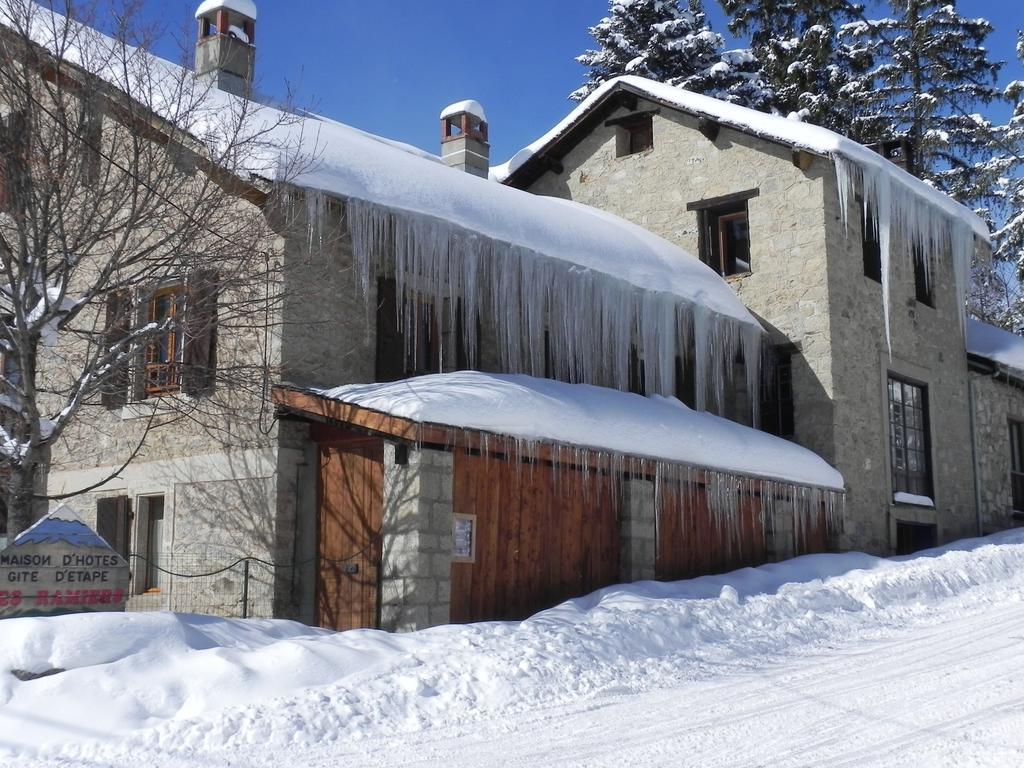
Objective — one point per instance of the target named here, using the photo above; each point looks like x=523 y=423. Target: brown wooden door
x=351 y=496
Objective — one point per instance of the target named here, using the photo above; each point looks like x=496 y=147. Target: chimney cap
x=245 y=8
x=469 y=106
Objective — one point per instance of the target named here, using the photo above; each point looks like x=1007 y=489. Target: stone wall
x=638 y=541
x=996 y=403
x=417 y=539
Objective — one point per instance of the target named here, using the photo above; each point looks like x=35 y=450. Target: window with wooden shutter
x=199 y=353
x=113 y=523
x=162 y=366
x=114 y=391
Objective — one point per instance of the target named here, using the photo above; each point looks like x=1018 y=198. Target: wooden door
x=349 y=545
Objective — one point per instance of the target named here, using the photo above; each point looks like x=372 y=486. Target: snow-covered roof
x=472 y=107
x=792 y=132
x=245 y=7
x=602 y=419
x=995 y=344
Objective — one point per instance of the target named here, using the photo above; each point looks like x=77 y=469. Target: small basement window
x=913 y=537
x=634 y=136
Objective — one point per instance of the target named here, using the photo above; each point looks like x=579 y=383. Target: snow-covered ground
x=844 y=660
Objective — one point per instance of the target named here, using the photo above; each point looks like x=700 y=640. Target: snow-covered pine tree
x=810 y=73
x=931 y=73
x=665 y=41
x=1009 y=236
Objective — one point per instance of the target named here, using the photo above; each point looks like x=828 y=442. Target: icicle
x=903 y=215
x=590 y=322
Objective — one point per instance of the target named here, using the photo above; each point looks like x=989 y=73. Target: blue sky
x=390 y=67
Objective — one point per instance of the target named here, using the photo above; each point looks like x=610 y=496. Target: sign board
x=61 y=565
x=463 y=538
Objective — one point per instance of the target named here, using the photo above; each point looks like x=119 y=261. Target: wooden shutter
x=113 y=523
x=114 y=392
x=199 y=361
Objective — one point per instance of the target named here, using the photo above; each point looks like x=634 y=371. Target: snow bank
x=602 y=419
x=995 y=344
x=160 y=684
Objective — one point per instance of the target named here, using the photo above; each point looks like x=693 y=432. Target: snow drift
x=170 y=684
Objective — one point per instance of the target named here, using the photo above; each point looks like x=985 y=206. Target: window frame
x=1016 y=464
x=870 y=244
x=634 y=135
x=172 y=339
x=713 y=246
x=905 y=480
x=924 y=289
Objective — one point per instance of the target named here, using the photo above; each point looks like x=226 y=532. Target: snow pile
x=601 y=419
x=246 y=8
x=907 y=210
x=995 y=344
x=162 y=685
x=471 y=106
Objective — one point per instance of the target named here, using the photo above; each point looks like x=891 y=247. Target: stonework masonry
x=417 y=539
x=996 y=403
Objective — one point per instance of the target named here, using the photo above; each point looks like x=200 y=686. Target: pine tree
x=1009 y=236
x=932 y=71
x=663 y=41
x=811 y=74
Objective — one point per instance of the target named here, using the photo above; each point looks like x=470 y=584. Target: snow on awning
x=995 y=345
x=593 y=418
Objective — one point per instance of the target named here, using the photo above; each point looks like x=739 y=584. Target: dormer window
x=634 y=135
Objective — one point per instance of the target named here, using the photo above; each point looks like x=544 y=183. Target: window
x=913 y=537
x=871 y=247
x=637 y=373
x=923 y=284
x=162 y=370
x=725 y=244
x=463 y=538
x=183 y=358
x=149 y=543
x=1017 y=464
x=908 y=438
x=777 y=414
x=3 y=523
x=420 y=340
x=634 y=135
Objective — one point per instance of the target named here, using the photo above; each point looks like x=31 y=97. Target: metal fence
x=240 y=587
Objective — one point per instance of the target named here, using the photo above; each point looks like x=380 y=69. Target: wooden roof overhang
x=306 y=405
x=550 y=156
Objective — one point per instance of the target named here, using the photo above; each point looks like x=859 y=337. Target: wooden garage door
x=349 y=547
x=544 y=534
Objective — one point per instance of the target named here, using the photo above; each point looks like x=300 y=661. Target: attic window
x=634 y=136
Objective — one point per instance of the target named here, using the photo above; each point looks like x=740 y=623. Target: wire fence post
x=245 y=589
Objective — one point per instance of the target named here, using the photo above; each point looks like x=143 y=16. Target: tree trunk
x=27 y=484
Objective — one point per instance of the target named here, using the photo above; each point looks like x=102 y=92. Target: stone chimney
x=226 y=50
x=897 y=151
x=464 y=138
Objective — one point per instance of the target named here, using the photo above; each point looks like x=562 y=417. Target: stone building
x=761 y=200
x=367 y=483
